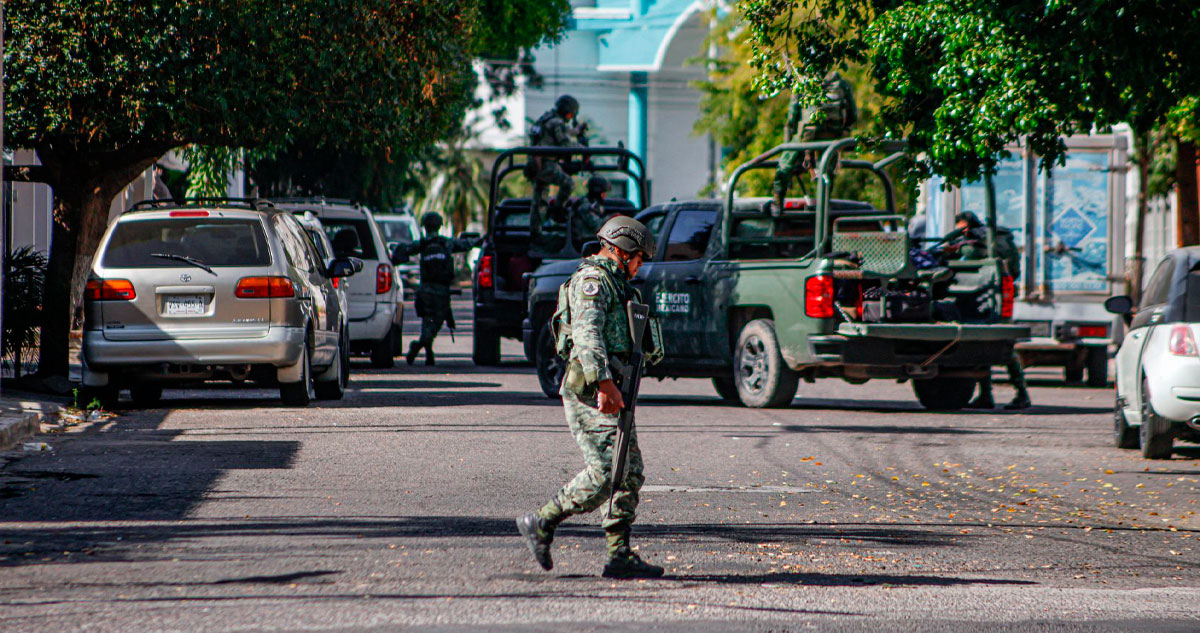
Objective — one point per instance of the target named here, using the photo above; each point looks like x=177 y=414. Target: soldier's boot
x=538 y=534
x=413 y=348
x=779 y=202
x=1021 y=400
x=624 y=563
x=429 y=355
x=984 y=400
x=1017 y=375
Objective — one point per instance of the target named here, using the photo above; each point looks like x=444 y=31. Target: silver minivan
x=192 y=291
x=377 y=293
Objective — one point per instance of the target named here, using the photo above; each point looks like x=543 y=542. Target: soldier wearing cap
x=592 y=332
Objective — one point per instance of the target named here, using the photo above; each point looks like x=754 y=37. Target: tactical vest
x=437 y=261
x=560 y=323
x=831 y=119
x=538 y=129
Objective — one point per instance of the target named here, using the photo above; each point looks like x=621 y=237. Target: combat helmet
x=597 y=185
x=627 y=234
x=566 y=104
x=431 y=221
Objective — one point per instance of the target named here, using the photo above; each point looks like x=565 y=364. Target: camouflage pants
x=595 y=433
x=789 y=164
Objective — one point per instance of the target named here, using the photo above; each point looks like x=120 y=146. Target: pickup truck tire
x=1097 y=367
x=550 y=366
x=1155 y=432
x=763 y=379
x=944 y=394
x=726 y=388
x=485 y=347
x=1073 y=373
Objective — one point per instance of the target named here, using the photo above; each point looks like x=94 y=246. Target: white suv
x=376 y=295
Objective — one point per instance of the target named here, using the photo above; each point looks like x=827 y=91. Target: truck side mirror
x=1119 y=304
x=590 y=248
x=396 y=256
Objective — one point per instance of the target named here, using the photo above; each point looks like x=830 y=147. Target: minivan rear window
x=211 y=241
x=357 y=240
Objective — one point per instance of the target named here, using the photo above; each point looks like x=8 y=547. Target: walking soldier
x=437 y=275
x=593 y=334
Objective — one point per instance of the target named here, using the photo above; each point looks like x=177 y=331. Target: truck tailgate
x=936 y=331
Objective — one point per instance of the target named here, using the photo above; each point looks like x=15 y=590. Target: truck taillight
x=1091 y=331
x=264 y=288
x=818 y=297
x=383 y=279
x=487 y=272
x=1008 y=293
x=1181 y=342
x=109 y=290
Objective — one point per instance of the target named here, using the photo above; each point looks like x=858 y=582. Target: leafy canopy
x=963 y=78
x=96 y=75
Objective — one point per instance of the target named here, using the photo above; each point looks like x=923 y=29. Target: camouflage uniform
x=589 y=217
x=598 y=329
x=554 y=131
x=800 y=121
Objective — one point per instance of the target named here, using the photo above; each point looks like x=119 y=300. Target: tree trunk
x=1187 y=212
x=82 y=196
x=1142 y=152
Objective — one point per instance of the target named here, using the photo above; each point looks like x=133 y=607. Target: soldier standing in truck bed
x=829 y=121
x=555 y=128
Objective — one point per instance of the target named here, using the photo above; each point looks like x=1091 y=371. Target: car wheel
x=1155 y=432
x=299 y=394
x=726 y=388
x=1124 y=436
x=944 y=394
x=145 y=396
x=336 y=388
x=550 y=366
x=383 y=352
x=485 y=347
x=762 y=377
x=1097 y=367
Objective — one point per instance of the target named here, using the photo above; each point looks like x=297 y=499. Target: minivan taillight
x=383 y=279
x=1181 y=342
x=1008 y=293
x=264 y=288
x=818 y=297
x=487 y=272
x=109 y=290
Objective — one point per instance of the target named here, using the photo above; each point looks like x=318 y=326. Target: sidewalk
x=21 y=416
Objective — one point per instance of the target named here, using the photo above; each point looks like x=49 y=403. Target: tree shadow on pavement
x=841 y=580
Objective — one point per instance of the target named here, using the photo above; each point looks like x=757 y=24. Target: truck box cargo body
x=1070 y=227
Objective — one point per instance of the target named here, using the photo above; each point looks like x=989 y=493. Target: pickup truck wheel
x=550 y=366
x=726 y=388
x=1155 y=432
x=1073 y=373
x=1097 y=367
x=762 y=378
x=944 y=394
x=485 y=347
x=383 y=353
x=1124 y=436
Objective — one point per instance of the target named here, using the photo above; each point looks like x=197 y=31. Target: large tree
x=963 y=78
x=101 y=89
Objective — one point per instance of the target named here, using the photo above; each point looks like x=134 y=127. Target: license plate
x=178 y=306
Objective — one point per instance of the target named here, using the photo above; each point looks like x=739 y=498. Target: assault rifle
x=638 y=315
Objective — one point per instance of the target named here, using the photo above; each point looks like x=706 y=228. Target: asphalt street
x=852 y=510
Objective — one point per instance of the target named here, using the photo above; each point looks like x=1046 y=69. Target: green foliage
x=209 y=169
x=384 y=75
x=506 y=28
x=734 y=110
x=24 y=280
x=963 y=78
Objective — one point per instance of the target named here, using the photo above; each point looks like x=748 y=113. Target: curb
x=20 y=423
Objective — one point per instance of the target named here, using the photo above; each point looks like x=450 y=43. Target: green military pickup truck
x=757 y=298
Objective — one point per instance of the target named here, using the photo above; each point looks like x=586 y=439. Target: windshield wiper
x=184 y=258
